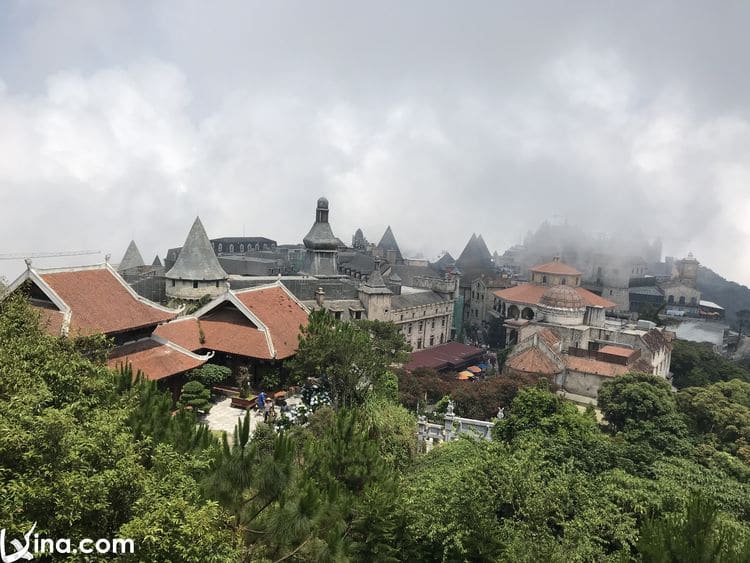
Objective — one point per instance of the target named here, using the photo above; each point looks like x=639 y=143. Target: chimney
x=320 y=296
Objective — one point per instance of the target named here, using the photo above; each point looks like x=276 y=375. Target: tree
x=349 y=361
x=695 y=364
x=635 y=397
x=195 y=396
x=210 y=374
x=496 y=333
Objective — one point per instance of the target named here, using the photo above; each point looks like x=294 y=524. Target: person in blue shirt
x=261 y=401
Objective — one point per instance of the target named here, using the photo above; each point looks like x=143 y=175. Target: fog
x=123 y=120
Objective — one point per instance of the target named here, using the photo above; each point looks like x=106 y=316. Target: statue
x=500 y=413
x=449 y=409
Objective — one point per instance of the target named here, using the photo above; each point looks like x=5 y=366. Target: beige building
x=482 y=303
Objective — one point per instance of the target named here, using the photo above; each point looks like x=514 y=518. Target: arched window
x=682 y=299
x=231 y=248
x=670 y=299
x=563 y=281
x=544 y=279
x=242 y=247
x=220 y=247
x=693 y=301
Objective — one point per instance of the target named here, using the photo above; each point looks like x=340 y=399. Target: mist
x=125 y=120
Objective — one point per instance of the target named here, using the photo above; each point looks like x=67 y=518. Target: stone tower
x=376 y=297
x=321 y=246
x=687 y=270
x=197 y=271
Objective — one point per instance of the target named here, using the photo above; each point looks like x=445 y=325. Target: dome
x=322 y=203
x=562 y=297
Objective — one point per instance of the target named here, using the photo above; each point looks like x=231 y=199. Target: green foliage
x=695 y=534
x=496 y=333
x=696 y=364
x=210 y=374
x=195 y=396
x=721 y=413
x=349 y=359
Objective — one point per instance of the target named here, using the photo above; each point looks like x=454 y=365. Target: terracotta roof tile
x=531 y=294
x=280 y=313
x=532 y=360
x=100 y=302
x=155 y=360
x=183 y=332
x=550 y=338
x=555 y=267
x=621 y=351
x=596 y=367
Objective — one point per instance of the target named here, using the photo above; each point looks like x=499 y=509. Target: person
x=261 y=403
x=268 y=407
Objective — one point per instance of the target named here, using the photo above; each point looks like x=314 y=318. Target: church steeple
x=321 y=245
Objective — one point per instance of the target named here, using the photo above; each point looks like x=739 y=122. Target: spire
x=321 y=236
x=388 y=243
x=157 y=261
x=131 y=259
x=197 y=260
x=475 y=254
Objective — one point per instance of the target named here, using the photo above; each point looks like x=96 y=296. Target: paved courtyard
x=224 y=417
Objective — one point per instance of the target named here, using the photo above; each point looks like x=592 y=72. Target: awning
x=474 y=369
x=464 y=375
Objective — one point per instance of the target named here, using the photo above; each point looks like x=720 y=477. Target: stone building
x=321 y=246
x=682 y=296
x=483 y=297
x=197 y=271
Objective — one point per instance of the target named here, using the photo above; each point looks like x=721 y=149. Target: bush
x=196 y=396
x=209 y=374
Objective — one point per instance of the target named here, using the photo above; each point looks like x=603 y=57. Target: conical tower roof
x=131 y=259
x=197 y=260
x=157 y=261
x=475 y=253
x=388 y=242
x=321 y=236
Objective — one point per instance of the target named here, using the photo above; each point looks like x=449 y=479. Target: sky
x=125 y=120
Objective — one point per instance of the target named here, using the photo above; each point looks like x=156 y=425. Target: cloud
x=436 y=120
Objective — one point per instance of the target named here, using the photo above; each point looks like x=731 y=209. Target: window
x=419 y=344
x=409 y=328
x=420 y=326
x=231 y=248
x=682 y=300
x=693 y=301
x=610 y=292
x=670 y=299
x=242 y=247
x=433 y=324
x=337 y=315
x=172 y=283
x=358 y=314
x=441 y=338
x=544 y=279
x=220 y=247
x=564 y=281
x=443 y=321
x=402 y=317
x=195 y=285
x=432 y=340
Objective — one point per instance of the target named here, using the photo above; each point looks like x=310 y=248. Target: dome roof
x=562 y=297
x=322 y=203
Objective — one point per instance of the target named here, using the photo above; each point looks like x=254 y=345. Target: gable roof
x=596 y=367
x=92 y=299
x=156 y=358
x=532 y=360
x=157 y=261
x=261 y=322
x=197 y=259
x=131 y=259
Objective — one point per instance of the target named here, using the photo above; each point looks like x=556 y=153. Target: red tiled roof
x=532 y=360
x=621 y=351
x=531 y=294
x=555 y=267
x=444 y=356
x=280 y=313
x=596 y=367
x=50 y=320
x=550 y=338
x=99 y=302
x=155 y=360
x=226 y=329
